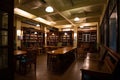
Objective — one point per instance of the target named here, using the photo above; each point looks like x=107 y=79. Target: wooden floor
x=72 y=73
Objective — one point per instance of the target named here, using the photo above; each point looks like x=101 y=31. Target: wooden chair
x=26 y=61
x=81 y=53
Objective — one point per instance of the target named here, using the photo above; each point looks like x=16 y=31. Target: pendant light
x=76 y=19
x=49 y=9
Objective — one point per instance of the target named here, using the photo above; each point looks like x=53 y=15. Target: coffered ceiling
x=88 y=11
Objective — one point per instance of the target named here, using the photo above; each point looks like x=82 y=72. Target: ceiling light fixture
x=81 y=26
x=49 y=9
x=76 y=19
x=38 y=25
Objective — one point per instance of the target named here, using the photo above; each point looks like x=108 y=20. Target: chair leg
x=82 y=74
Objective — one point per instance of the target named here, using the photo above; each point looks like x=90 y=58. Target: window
x=85 y=37
x=113 y=30
x=3 y=40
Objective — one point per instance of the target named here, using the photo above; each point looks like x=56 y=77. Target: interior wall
x=75 y=37
x=18 y=27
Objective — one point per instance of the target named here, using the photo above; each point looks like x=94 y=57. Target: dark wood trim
x=113 y=52
x=118 y=28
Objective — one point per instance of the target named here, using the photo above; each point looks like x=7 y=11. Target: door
x=85 y=37
x=6 y=58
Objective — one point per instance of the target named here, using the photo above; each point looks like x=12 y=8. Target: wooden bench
x=101 y=70
x=97 y=56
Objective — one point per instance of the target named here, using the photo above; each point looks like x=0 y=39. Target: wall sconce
x=20 y=34
x=45 y=34
x=35 y=32
x=53 y=34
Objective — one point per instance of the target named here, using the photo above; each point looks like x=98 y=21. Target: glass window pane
x=4 y=38
x=113 y=30
x=5 y=21
x=3 y=58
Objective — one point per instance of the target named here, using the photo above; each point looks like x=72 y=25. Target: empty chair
x=26 y=61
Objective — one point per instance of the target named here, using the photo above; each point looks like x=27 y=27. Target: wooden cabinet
x=32 y=38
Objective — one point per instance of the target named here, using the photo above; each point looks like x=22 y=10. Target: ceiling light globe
x=76 y=19
x=49 y=9
x=38 y=25
x=81 y=26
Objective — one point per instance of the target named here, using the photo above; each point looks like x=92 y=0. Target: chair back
x=31 y=56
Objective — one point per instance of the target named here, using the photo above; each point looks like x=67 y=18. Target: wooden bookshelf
x=41 y=40
x=66 y=37
x=32 y=38
x=63 y=37
x=52 y=38
x=93 y=37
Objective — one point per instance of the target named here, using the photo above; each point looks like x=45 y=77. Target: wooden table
x=50 y=48
x=61 y=50
x=19 y=52
x=59 y=60
x=17 y=55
